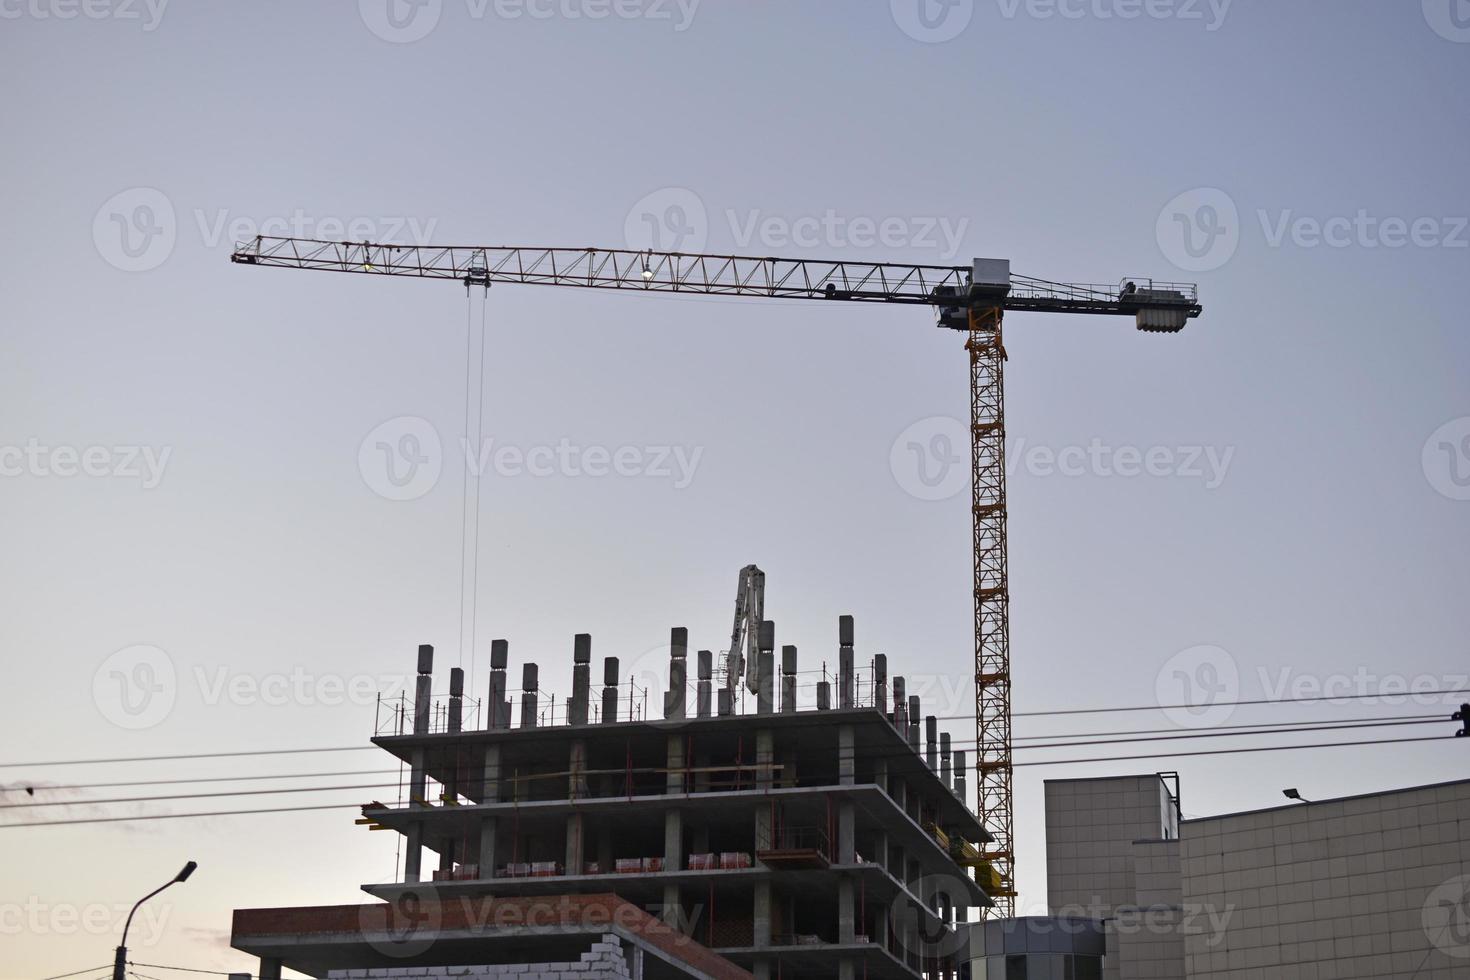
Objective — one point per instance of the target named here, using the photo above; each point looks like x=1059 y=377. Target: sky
x=232 y=498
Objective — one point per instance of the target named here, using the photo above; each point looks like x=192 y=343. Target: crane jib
x=1157 y=305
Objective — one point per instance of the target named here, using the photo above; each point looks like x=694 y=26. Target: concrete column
x=701 y=769
x=703 y=693
x=765 y=669
x=577 y=771
x=765 y=757
x=959 y=774
x=944 y=757
x=576 y=858
x=900 y=707
x=422 y=691
x=880 y=773
x=880 y=682
x=846 y=910
x=270 y=968
x=581 y=679
x=673 y=861
x=764 y=837
x=676 y=698
x=913 y=720
x=931 y=742
x=418 y=779
x=497 y=709
x=846 y=756
x=844 y=662
x=487 y=856
x=609 y=690
x=530 y=696
x=490 y=783
x=456 y=700
x=824 y=695
x=762 y=913
x=674 y=780
x=725 y=700
x=788 y=678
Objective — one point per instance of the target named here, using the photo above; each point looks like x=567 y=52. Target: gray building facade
x=1370 y=887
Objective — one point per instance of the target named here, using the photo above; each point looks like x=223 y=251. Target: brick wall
x=604 y=961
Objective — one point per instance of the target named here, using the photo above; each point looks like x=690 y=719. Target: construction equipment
x=750 y=609
x=970 y=299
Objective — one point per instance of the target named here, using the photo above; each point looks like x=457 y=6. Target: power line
x=194 y=796
x=205 y=779
x=1236 y=703
x=1172 y=735
x=179 y=816
x=1260 y=748
x=1214 y=734
x=1268 y=726
x=950 y=717
x=194 y=755
x=90 y=969
x=1265 y=728
x=947 y=717
x=1045 y=762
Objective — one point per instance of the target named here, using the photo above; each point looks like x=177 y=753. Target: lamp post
x=1292 y=794
x=119 y=962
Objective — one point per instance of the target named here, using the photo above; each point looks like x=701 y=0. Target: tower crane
x=971 y=300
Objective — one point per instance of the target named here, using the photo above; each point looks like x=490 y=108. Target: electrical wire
x=1047 y=762
x=194 y=796
x=1260 y=748
x=1021 y=714
x=1172 y=735
x=208 y=779
x=178 y=816
x=90 y=969
x=1257 y=728
x=192 y=755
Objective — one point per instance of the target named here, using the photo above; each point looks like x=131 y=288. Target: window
x=1015 y=968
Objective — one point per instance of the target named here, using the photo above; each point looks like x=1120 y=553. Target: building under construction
x=558 y=837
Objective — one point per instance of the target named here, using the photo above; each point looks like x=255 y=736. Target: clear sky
x=190 y=448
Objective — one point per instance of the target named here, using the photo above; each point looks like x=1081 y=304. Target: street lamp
x=119 y=962
x=1292 y=794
